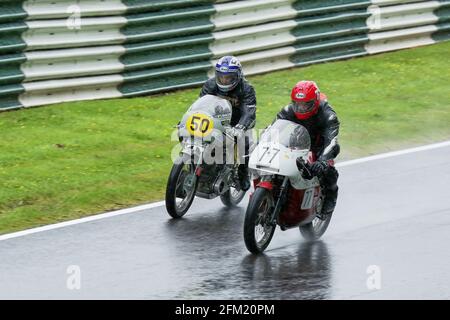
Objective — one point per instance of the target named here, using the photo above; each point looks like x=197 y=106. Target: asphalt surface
x=391 y=230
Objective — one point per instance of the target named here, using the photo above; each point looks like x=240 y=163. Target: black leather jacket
x=242 y=98
x=323 y=129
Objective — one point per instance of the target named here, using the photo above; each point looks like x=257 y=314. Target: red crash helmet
x=305 y=99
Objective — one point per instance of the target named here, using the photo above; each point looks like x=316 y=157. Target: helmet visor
x=226 y=79
x=303 y=107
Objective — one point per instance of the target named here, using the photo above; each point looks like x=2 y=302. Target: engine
x=214 y=181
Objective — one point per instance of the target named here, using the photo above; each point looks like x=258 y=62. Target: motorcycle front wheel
x=258 y=229
x=181 y=188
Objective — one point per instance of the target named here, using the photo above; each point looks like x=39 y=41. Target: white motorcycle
x=207 y=165
x=282 y=196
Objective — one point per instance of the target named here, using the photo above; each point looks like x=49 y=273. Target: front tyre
x=258 y=229
x=181 y=188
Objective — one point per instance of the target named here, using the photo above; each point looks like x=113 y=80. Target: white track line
x=394 y=154
x=161 y=203
x=82 y=220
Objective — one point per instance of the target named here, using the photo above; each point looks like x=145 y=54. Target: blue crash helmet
x=228 y=73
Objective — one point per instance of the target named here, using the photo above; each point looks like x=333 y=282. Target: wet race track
x=388 y=239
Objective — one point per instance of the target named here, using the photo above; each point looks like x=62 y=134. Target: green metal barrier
x=153 y=46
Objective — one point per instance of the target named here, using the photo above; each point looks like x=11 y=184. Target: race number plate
x=200 y=125
x=308 y=198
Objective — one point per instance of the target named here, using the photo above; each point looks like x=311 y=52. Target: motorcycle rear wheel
x=316 y=228
x=258 y=230
x=178 y=188
x=232 y=197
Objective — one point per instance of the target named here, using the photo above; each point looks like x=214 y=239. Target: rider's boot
x=329 y=181
x=329 y=203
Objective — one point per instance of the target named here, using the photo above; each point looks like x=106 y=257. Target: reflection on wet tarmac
x=304 y=273
x=146 y=255
x=210 y=247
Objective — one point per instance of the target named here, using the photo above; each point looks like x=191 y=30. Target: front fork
x=195 y=159
x=281 y=198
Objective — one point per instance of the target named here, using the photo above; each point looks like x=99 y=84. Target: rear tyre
x=316 y=228
x=232 y=197
x=258 y=229
x=181 y=188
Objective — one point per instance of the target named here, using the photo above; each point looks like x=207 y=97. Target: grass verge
x=70 y=160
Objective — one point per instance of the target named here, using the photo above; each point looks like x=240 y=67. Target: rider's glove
x=238 y=131
x=303 y=167
x=309 y=170
x=318 y=168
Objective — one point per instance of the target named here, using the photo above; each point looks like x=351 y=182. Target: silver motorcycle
x=207 y=165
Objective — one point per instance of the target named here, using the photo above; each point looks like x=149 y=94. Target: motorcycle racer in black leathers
x=311 y=109
x=229 y=83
